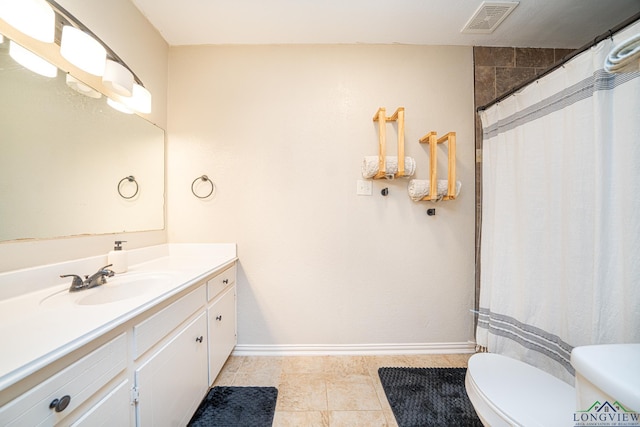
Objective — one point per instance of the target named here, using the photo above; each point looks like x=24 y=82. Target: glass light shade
x=82 y=88
x=34 y=18
x=83 y=51
x=118 y=78
x=118 y=106
x=31 y=61
x=140 y=100
x=1 y=39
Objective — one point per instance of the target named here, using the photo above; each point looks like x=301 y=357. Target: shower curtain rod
x=564 y=60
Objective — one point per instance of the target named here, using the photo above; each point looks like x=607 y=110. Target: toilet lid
x=525 y=395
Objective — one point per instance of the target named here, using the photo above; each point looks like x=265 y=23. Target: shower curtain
x=560 y=248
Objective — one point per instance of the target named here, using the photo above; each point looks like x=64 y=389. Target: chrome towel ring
x=203 y=178
x=129 y=178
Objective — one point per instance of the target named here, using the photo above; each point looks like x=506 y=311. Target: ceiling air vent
x=488 y=16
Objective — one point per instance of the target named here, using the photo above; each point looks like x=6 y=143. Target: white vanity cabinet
x=151 y=370
x=221 y=314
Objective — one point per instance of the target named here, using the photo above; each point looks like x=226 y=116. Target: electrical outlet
x=363 y=188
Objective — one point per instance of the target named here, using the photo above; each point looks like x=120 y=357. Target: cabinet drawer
x=79 y=381
x=147 y=333
x=220 y=282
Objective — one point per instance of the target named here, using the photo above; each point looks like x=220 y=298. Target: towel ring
x=204 y=178
x=129 y=178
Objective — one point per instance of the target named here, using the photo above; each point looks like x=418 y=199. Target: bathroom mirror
x=64 y=156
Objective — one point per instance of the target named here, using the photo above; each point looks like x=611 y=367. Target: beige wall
x=282 y=131
x=119 y=24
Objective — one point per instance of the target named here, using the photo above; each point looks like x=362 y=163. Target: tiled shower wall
x=496 y=71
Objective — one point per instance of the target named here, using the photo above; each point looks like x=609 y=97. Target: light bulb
x=82 y=50
x=118 y=78
x=140 y=100
x=34 y=18
x=119 y=106
x=82 y=88
x=31 y=61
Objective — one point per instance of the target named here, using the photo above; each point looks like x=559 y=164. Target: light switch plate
x=364 y=188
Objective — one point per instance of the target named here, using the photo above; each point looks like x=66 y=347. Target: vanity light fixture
x=34 y=18
x=31 y=61
x=82 y=50
x=82 y=88
x=119 y=106
x=140 y=101
x=118 y=78
x=78 y=46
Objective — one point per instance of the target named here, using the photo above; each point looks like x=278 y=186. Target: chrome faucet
x=96 y=279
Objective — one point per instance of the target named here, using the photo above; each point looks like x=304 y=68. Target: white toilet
x=508 y=392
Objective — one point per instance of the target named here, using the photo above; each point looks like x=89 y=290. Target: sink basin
x=116 y=289
x=123 y=288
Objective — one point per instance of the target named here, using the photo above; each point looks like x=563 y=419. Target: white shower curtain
x=560 y=247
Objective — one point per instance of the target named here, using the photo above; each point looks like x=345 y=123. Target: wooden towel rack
x=382 y=119
x=432 y=139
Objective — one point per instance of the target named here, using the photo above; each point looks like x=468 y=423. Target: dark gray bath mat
x=236 y=407
x=422 y=397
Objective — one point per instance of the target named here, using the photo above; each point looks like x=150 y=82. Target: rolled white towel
x=370 y=166
x=420 y=188
x=625 y=57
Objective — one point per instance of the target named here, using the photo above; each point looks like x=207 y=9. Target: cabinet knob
x=225 y=281
x=60 y=404
x=219 y=318
x=199 y=339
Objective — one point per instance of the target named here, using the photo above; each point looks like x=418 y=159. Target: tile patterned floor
x=327 y=391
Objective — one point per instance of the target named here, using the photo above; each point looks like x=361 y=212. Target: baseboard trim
x=353 y=349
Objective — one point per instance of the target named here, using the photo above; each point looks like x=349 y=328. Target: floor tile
x=224 y=378
x=357 y=419
x=328 y=391
x=346 y=366
x=302 y=392
x=303 y=364
x=352 y=396
x=261 y=364
x=391 y=419
x=257 y=379
x=300 y=419
x=232 y=364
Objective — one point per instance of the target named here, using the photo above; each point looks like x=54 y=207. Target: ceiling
x=534 y=23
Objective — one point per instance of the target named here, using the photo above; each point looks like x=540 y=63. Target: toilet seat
x=508 y=392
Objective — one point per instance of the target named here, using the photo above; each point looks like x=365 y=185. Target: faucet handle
x=76 y=283
x=110 y=273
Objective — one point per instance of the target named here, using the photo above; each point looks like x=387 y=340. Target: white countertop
x=34 y=334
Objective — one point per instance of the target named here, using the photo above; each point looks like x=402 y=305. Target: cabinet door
x=222 y=331
x=112 y=410
x=172 y=383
